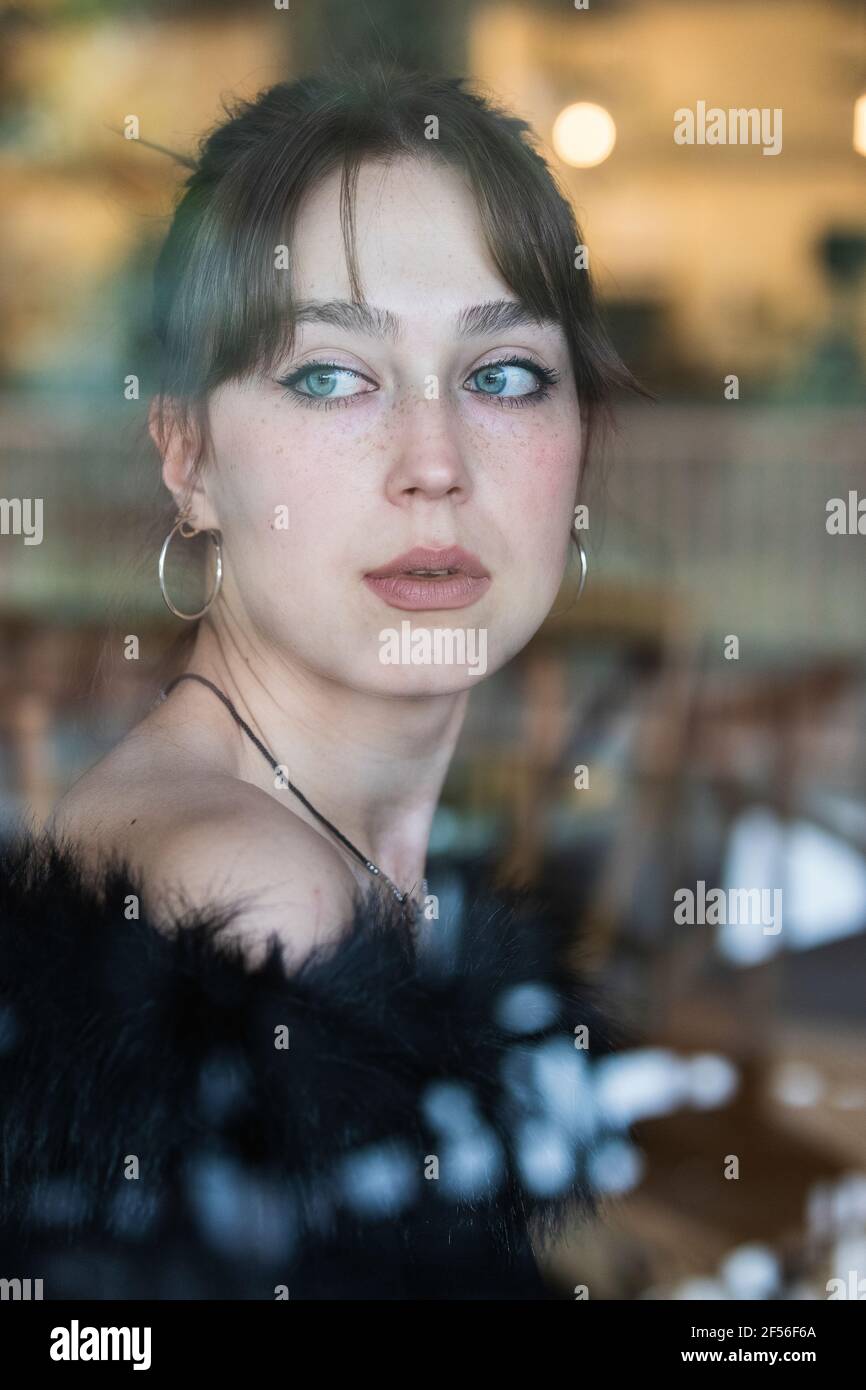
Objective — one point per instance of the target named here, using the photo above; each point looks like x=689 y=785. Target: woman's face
x=407 y=429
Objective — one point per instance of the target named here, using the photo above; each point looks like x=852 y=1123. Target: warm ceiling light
x=860 y=124
x=584 y=134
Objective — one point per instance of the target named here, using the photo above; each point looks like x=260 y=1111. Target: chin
x=415 y=682
x=419 y=681
x=433 y=653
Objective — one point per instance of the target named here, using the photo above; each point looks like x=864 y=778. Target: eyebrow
x=491 y=317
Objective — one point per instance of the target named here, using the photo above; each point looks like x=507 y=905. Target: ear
x=178 y=440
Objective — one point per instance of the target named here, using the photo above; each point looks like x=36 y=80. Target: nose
x=429 y=463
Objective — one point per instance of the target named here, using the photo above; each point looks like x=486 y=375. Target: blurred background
x=633 y=750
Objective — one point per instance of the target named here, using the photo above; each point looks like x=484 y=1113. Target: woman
x=383 y=368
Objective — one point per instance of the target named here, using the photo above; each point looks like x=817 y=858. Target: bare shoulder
x=276 y=873
x=199 y=839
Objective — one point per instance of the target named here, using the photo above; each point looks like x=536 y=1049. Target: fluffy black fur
x=304 y=1169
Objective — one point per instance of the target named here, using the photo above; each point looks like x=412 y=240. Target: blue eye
x=511 y=380
x=323 y=380
x=494 y=379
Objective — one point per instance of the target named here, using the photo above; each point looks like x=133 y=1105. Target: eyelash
x=546 y=376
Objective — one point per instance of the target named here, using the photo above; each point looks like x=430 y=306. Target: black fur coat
x=390 y=1120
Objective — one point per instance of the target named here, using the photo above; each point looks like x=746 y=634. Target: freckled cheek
x=544 y=484
x=262 y=466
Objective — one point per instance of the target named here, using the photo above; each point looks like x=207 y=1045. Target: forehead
x=418 y=237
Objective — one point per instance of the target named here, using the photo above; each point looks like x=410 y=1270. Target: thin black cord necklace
x=372 y=868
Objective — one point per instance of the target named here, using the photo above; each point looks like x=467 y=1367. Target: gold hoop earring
x=187 y=532
x=584 y=567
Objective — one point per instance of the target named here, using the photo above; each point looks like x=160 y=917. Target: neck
x=372 y=765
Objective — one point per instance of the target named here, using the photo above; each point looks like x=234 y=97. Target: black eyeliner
x=546 y=376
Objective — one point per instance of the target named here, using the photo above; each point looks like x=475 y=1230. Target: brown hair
x=222 y=310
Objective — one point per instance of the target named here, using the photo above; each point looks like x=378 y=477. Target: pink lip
x=395 y=583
